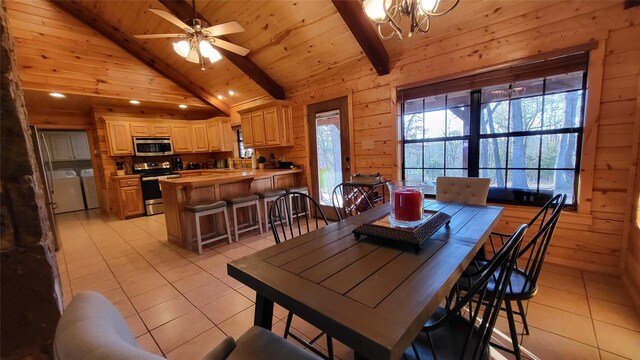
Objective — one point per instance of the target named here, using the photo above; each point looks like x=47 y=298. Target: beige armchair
x=463 y=190
x=92 y=328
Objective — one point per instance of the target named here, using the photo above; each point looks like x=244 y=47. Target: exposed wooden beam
x=360 y=26
x=183 y=10
x=126 y=42
x=631 y=3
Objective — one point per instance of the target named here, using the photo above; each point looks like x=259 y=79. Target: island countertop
x=208 y=177
x=206 y=186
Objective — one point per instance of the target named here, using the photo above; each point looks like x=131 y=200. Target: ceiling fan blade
x=228 y=46
x=172 y=19
x=158 y=36
x=226 y=28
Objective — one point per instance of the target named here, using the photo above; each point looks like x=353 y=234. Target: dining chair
x=523 y=283
x=92 y=328
x=284 y=228
x=464 y=190
x=463 y=329
x=349 y=200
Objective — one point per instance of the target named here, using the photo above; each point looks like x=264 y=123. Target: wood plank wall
x=593 y=240
x=57 y=52
x=633 y=244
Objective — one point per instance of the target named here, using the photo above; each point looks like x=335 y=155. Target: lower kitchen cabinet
x=128 y=196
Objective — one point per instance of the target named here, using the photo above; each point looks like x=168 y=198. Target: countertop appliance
x=177 y=163
x=152 y=146
x=193 y=166
x=89 y=188
x=43 y=155
x=67 y=191
x=150 y=173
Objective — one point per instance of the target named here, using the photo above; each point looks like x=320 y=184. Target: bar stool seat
x=267 y=197
x=200 y=210
x=242 y=202
x=298 y=211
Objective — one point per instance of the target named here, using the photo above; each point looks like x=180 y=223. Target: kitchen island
x=196 y=187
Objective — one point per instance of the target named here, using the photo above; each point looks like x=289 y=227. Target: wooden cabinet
x=128 y=197
x=181 y=138
x=247 y=131
x=119 y=138
x=213 y=133
x=268 y=125
x=283 y=181
x=151 y=130
x=199 y=137
x=221 y=136
x=187 y=136
x=258 y=129
x=68 y=146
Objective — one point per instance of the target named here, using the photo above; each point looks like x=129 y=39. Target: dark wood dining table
x=372 y=295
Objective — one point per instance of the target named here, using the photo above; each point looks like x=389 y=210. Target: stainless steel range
x=150 y=173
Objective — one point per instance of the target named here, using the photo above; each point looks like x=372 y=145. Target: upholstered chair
x=472 y=191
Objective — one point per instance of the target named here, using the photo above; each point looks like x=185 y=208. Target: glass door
x=330 y=153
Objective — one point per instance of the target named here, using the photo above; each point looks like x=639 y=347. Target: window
x=521 y=129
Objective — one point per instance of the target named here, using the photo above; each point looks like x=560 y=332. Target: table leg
x=264 y=312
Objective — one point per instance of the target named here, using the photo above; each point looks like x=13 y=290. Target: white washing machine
x=89 y=188
x=67 y=192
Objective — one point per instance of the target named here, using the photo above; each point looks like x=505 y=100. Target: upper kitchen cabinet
x=220 y=135
x=119 y=137
x=199 y=136
x=267 y=125
x=181 y=137
x=68 y=146
x=187 y=136
x=150 y=130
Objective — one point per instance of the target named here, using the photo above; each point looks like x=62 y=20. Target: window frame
x=474 y=83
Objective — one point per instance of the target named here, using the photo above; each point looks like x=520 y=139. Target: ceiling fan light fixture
x=215 y=56
x=181 y=48
x=193 y=55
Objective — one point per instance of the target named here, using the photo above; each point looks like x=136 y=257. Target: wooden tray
x=382 y=228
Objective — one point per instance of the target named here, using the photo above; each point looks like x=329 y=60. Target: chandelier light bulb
x=375 y=9
x=181 y=48
x=428 y=6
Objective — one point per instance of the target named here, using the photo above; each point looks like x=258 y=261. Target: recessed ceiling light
x=220 y=97
x=182 y=106
x=134 y=102
x=57 y=95
x=231 y=92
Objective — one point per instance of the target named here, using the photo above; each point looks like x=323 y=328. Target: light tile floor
x=180 y=305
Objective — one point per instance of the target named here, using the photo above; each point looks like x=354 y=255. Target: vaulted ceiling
x=290 y=42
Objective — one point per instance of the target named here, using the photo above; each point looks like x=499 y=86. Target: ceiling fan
x=198 y=38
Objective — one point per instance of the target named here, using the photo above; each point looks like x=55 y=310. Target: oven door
x=152 y=193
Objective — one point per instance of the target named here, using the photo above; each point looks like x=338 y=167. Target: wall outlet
x=367 y=145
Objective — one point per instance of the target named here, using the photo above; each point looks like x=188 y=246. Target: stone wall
x=30 y=284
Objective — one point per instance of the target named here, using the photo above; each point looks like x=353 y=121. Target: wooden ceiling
x=292 y=42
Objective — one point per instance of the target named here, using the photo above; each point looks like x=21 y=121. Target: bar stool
x=242 y=202
x=266 y=197
x=199 y=211
x=299 y=212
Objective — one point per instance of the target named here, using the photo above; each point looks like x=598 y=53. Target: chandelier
x=418 y=13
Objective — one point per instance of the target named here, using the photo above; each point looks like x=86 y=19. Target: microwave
x=152 y=146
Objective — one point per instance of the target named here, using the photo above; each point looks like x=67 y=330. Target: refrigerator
x=43 y=155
